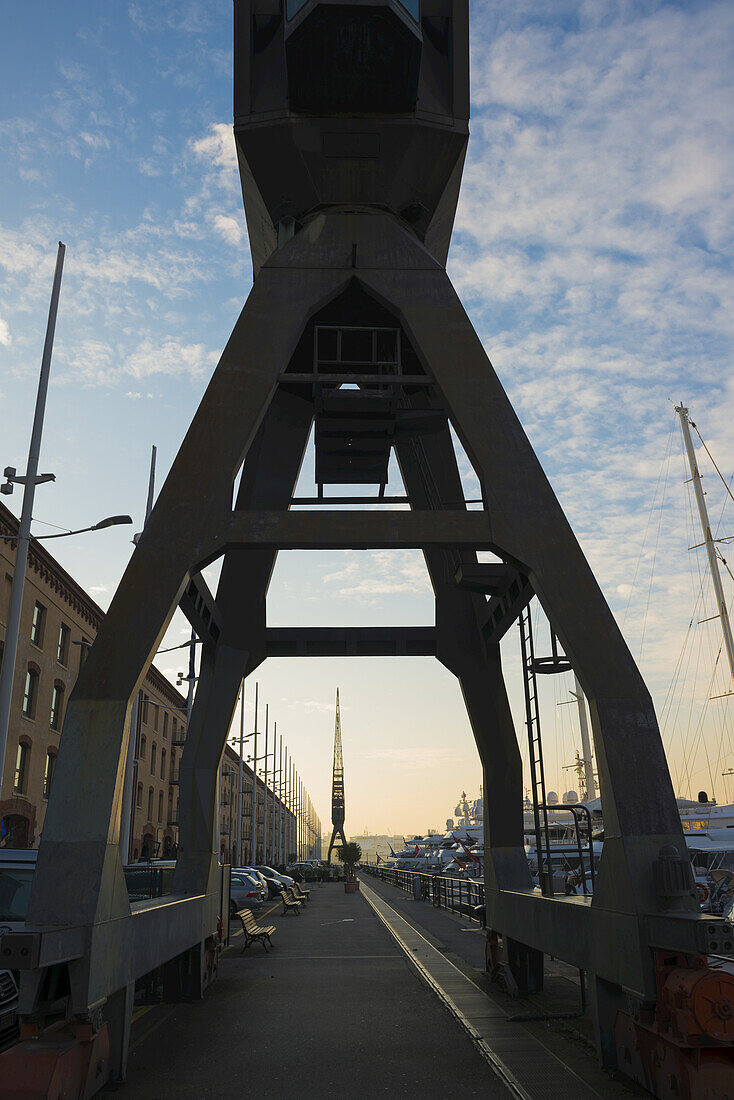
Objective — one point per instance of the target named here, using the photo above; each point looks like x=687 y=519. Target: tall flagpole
x=253 y=842
x=265 y=789
x=274 y=814
x=241 y=775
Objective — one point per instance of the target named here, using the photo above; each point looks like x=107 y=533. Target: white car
x=281 y=881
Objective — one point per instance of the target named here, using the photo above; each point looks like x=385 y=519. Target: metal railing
x=459 y=895
x=146 y=881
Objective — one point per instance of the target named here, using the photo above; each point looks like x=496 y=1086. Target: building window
x=62 y=649
x=30 y=693
x=163 y=763
x=174 y=735
x=152 y=758
x=165 y=723
x=57 y=703
x=150 y=804
x=172 y=773
x=160 y=806
x=142 y=748
x=37 y=625
x=49 y=773
x=21 y=768
x=139 y=796
x=156 y=711
x=146 y=700
x=170 y=807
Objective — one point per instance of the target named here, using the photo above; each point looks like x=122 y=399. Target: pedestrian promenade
x=550 y=1019
x=336 y=1009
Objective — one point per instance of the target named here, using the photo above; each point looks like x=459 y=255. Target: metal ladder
x=535 y=746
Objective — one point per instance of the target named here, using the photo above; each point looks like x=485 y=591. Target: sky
x=592 y=250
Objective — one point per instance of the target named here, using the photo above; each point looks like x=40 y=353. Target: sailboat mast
x=589 y=781
x=723 y=613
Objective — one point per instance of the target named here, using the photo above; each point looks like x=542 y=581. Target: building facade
x=59 y=622
x=275 y=819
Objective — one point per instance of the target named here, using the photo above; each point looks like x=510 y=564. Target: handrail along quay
x=465 y=896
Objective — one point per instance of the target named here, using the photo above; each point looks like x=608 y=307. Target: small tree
x=349 y=854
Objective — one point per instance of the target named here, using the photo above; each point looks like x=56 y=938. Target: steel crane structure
x=351 y=127
x=338 y=806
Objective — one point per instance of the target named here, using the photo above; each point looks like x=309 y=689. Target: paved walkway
x=334 y=1010
x=571 y=1040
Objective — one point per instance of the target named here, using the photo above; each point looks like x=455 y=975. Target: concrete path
x=334 y=1010
x=570 y=1040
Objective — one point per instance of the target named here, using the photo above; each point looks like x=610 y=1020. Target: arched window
x=163 y=763
x=152 y=758
x=165 y=723
x=22 y=759
x=48 y=775
x=170 y=807
x=160 y=806
x=150 y=804
x=142 y=748
x=172 y=772
x=139 y=796
x=30 y=692
x=57 y=705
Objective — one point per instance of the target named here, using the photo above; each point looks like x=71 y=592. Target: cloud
x=5 y=338
x=228 y=228
x=368 y=577
x=170 y=357
x=312 y=706
x=217 y=151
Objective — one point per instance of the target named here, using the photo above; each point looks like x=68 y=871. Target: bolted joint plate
x=690 y=933
x=29 y=950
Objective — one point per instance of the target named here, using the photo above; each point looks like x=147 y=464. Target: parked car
x=304 y=871
x=246 y=892
x=16 y=874
x=276 y=882
x=254 y=873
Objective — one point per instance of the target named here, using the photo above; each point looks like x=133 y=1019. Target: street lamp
x=111 y=521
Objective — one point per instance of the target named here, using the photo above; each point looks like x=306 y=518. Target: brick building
x=59 y=621
x=276 y=837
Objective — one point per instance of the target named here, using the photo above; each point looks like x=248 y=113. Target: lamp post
x=253 y=837
x=29 y=481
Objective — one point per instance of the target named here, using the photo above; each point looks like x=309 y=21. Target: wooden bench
x=298 y=892
x=290 y=904
x=253 y=931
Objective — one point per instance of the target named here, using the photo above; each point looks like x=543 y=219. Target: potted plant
x=350 y=855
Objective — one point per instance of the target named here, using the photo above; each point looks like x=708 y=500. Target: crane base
x=72 y=1063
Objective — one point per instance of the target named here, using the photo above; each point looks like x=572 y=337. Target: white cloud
x=217 y=151
x=5 y=338
x=228 y=228
x=170 y=357
x=370 y=576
